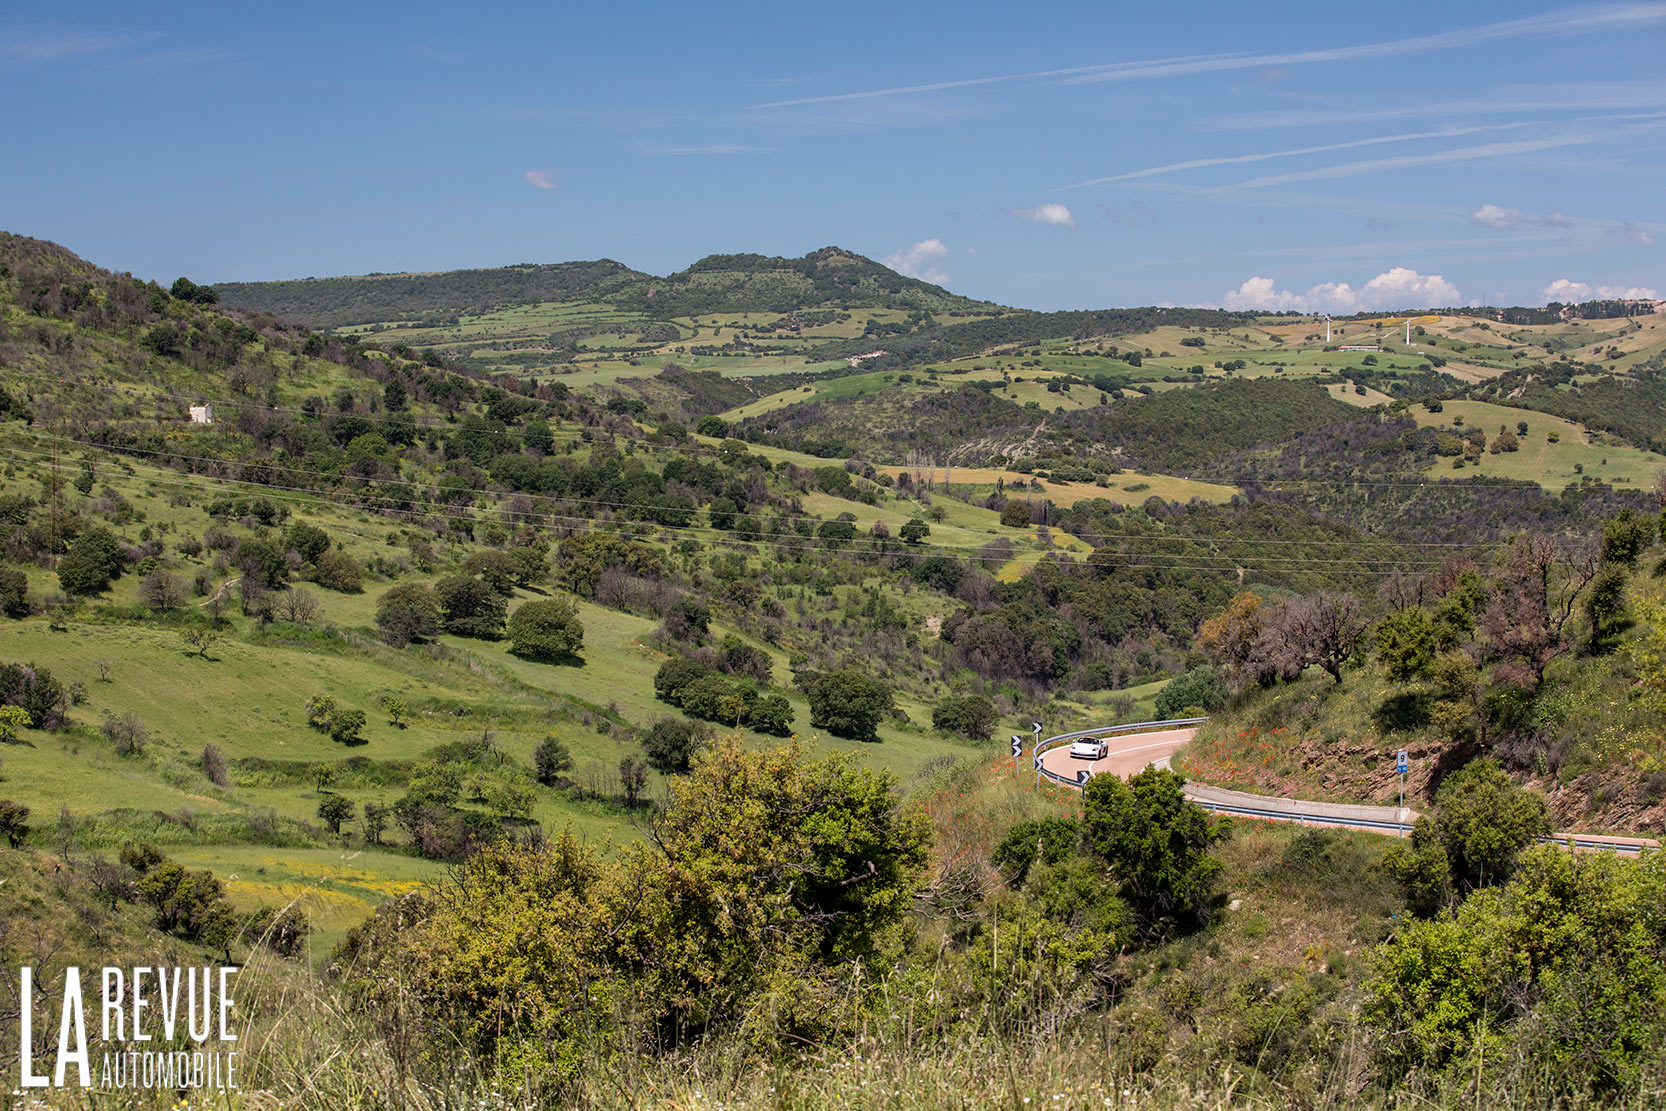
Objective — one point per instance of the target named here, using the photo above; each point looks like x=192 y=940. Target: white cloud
x=1637 y=235
x=544 y=179
x=1492 y=216
x=1567 y=291
x=1495 y=216
x=1399 y=288
x=919 y=260
x=1050 y=213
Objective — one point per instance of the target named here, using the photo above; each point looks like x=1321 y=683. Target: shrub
x=93 y=560
x=671 y=743
x=470 y=608
x=213 y=763
x=971 y=716
x=345 y=726
x=675 y=674
x=772 y=714
x=333 y=809
x=551 y=761
x=408 y=612
x=1200 y=688
x=282 y=931
x=127 y=733
x=34 y=690
x=307 y=541
x=1156 y=845
x=14 y=822
x=848 y=703
x=14 y=592
x=338 y=571
x=547 y=629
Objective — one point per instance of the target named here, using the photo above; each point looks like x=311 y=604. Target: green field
x=1551 y=465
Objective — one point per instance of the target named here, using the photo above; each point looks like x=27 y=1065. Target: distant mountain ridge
x=829 y=277
x=373 y=298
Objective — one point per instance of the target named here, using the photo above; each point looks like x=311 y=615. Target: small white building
x=202 y=414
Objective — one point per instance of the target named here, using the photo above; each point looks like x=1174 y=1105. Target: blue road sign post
x=1402 y=764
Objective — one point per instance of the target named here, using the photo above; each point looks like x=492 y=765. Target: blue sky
x=1310 y=156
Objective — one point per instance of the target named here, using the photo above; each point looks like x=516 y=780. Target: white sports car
x=1089 y=748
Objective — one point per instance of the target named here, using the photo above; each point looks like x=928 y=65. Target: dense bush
x=470 y=608
x=408 y=612
x=547 y=629
x=848 y=703
x=969 y=715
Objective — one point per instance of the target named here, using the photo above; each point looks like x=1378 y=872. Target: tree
x=1560 y=968
x=671 y=742
x=322 y=774
x=1534 y=591
x=297 y=605
x=13 y=719
x=336 y=570
x=970 y=715
x=34 y=690
x=1406 y=644
x=334 y=809
x=375 y=821
x=192 y=905
x=345 y=727
x=1016 y=514
x=263 y=562
x=547 y=630
x=14 y=592
x=848 y=703
x=551 y=760
x=1605 y=606
x=511 y=801
x=199 y=639
x=1328 y=628
x=1230 y=638
x=1482 y=822
x=321 y=710
x=1156 y=846
x=213 y=763
x=162 y=591
x=93 y=560
x=127 y=733
x=498 y=569
x=470 y=608
x=1198 y=689
x=633 y=780
x=1050 y=840
x=772 y=714
x=408 y=612
x=914 y=531
x=14 y=822
x=395 y=708
x=307 y=541
x=1626 y=536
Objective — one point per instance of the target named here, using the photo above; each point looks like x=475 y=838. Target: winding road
x=1128 y=753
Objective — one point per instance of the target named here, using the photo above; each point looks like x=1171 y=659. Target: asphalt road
x=1129 y=753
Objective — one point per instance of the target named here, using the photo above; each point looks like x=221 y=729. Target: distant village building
x=202 y=414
